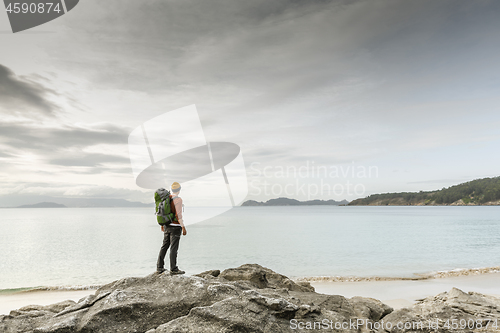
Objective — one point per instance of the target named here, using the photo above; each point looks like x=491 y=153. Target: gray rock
x=57 y=307
x=249 y=298
x=252 y=311
x=370 y=308
x=83 y=303
x=145 y=304
x=249 y=273
x=262 y=277
x=209 y=274
x=454 y=311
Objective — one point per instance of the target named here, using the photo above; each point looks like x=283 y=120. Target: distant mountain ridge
x=484 y=191
x=21 y=201
x=294 y=202
x=43 y=205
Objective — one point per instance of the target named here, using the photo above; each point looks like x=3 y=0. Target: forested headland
x=484 y=191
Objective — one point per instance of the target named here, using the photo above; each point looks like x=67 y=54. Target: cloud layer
x=37 y=142
x=22 y=96
x=404 y=85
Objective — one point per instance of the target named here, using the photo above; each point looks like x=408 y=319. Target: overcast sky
x=408 y=88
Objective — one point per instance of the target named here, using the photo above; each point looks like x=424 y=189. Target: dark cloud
x=60 y=144
x=167 y=35
x=289 y=81
x=31 y=136
x=20 y=95
x=258 y=54
x=64 y=145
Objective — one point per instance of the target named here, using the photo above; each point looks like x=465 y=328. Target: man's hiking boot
x=176 y=271
x=159 y=271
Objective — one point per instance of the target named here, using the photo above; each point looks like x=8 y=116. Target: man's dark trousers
x=171 y=238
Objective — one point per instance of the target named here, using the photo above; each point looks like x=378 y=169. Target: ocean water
x=93 y=246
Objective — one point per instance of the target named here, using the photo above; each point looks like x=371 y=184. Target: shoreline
x=395 y=292
x=416 y=276
x=14 y=291
x=457 y=272
x=404 y=293
x=16 y=300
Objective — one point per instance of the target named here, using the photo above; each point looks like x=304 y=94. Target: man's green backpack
x=164 y=212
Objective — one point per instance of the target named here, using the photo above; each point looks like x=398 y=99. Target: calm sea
x=89 y=246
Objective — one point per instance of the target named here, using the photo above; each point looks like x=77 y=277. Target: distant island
x=484 y=191
x=44 y=205
x=293 y=202
x=43 y=201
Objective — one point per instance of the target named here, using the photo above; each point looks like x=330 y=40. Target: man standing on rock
x=172 y=234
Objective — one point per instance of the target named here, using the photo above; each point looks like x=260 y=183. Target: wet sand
x=14 y=301
x=399 y=294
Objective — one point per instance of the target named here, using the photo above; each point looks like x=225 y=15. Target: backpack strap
x=173 y=210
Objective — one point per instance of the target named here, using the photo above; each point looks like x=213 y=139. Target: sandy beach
x=397 y=294
x=15 y=301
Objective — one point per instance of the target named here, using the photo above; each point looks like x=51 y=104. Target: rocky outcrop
x=250 y=298
x=262 y=277
x=453 y=311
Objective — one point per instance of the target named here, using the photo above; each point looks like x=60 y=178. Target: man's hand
x=162 y=228
x=184 y=232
